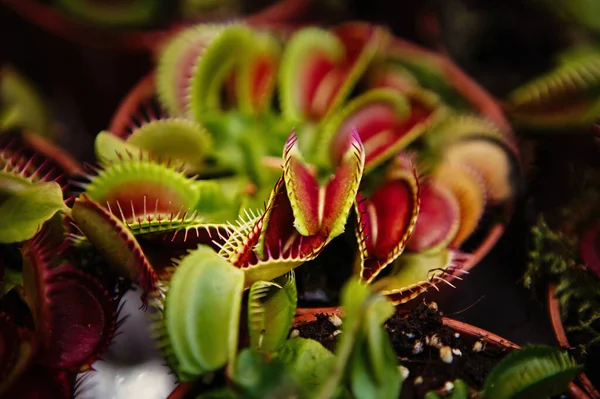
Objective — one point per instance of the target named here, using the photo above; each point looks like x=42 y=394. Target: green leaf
x=373 y=367
x=535 y=371
x=358 y=351
x=259 y=378
x=376 y=337
x=308 y=361
x=202 y=311
x=24 y=212
x=271 y=310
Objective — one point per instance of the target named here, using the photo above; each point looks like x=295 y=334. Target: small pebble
x=448 y=386
x=435 y=341
x=456 y=335
x=446 y=354
x=477 y=346
x=418 y=380
x=433 y=306
x=417 y=347
x=336 y=333
x=456 y=351
x=295 y=333
x=335 y=320
x=404 y=372
x=427 y=340
x=409 y=335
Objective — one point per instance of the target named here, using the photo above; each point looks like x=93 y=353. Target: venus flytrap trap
x=564 y=97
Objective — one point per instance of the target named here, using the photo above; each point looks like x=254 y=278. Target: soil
x=404 y=330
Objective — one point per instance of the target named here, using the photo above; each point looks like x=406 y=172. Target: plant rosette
x=384 y=152
x=128 y=25
x=564 y=256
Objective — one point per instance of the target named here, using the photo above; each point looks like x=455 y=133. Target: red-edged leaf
x=115 y=242
x=387 y=217
x=323 y=208
x=320 y=68
x=438 y=221
x=75 y=317
x=387 y=122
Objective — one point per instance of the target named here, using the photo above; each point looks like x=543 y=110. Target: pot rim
x=62 y=25
x=308 y=315
x=561 y=336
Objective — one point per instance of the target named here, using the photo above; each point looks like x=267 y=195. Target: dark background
x=500 y=43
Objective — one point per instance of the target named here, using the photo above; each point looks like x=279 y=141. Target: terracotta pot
x=304 y=316
x=52 y=20
x=561 y=337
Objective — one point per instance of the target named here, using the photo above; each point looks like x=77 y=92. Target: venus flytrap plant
x=367 y=121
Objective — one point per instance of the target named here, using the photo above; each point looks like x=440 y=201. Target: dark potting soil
x=410 y=334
